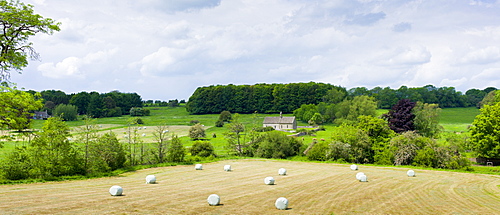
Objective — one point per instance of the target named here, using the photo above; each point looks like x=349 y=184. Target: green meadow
x=452 y=120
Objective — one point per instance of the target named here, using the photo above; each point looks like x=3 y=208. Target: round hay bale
x=213 y=200
x=198 y=167
x=282 y=171
x=269 y=180
x=281 y=203
x=116 y=190
x=363 y=178
x=150 y=179
x=358 y=175
x=227 y=168
x=410 y=173
x=354 y=167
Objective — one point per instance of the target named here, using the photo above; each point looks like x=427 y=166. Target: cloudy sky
x=165 y=49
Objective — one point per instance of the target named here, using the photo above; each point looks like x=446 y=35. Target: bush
x=225 y=116
x=137 y=120
x=264 y=129
x=196 y=132
x=138 y=111
x=277 y=145
x=219 y=123
x=194 y=122
x=318 y=151
x=202 y=149
x=176 y=151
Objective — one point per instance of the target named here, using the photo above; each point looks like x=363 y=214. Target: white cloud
x=486 y=55
x=140 y=46
x=72 y=67
x=69 y=67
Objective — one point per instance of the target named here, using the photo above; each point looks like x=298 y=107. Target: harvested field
x=311 y=188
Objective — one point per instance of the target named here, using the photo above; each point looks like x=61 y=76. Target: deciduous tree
x=485 y=132
x=16 y=108
x=18 y=23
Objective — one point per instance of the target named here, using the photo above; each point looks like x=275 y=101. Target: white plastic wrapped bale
x=269 y=180
x=150 y=179
x=358 y=175
x=410 y=173
x=213 y=200
x=227 y=168
x=198 y=167
x=354 y=167
x=282 y=171
x=281 y=203
x=363 y=178
x=116 y=190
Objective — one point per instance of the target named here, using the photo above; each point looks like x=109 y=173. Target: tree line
x=94 y=104
x=272 y=98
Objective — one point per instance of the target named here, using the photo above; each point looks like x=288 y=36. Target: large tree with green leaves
x=427 y=119
x=485 y=132
x=18 y=22
x=16 y=108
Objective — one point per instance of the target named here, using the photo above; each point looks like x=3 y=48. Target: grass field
x=178 y=120
x=311 y=188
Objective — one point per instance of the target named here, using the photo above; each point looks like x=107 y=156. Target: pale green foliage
x=485 y=132
x=404 y=147
x=196 y=132
x=106 y=154
x=350 y=110
x=176 y=151
x=305 y=112
x=491 y=98
x=202 y=149
x=316 y=119
x=233 y=135
x=16 y=107
x=427 y=119
x=350 y=144
x=18 y=22
x=161 y=142
x=275 y=144
x=50 y=154
x=66 y=112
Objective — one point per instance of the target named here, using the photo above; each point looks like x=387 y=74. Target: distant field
x=311 y=188
x=452 y=119
x=458 y=119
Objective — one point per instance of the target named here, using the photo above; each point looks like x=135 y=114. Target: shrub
x=225 y=116
x=277 y=145
x=219 y=123
x=138 y=111
x=202 y=149
x=176 y=151
x=196 y=132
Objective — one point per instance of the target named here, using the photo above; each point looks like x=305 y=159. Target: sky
x=165 y=49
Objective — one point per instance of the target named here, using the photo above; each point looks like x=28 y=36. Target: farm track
x=311 y=188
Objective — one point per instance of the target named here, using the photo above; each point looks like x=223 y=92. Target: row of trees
x=262 y=98
x=95 y=104
x=267 y=98
x=159 y=103
x=54 y=152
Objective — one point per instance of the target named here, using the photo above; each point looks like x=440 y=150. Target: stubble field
x=311 y=188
